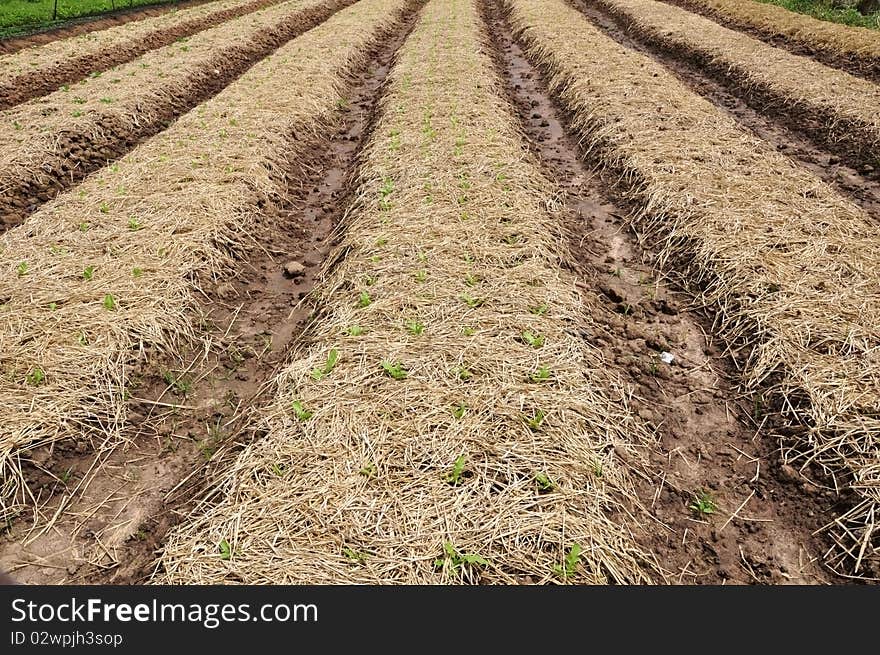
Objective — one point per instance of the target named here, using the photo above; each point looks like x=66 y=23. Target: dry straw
x=45 y=141
x=859 y=46
x=844 y=109
x=789 y=268
x=434 y=449
x=66 y=60
x=150 y=227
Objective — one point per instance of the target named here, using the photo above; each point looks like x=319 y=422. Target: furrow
x=49 y=144
x=788 y=267
x=100 y=277
x=838 y=110
x=41 y=69
x=444 y=421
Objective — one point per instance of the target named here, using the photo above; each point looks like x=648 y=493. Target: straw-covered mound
x=49 y=141
x=859 y=46
x=30 y=72
x=790 y=269
x=112 y=267
x=845 y=109
x=444 y=422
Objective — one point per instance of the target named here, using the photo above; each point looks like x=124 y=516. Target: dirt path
x=710 y=438
x=84 y=25
x=860 y=183
x=184 y=419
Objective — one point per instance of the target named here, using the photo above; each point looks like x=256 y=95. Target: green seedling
x=468 y=331
x=364 y=300
x=541 y=375
x=458 y=560
x=355 y=556
x=536 y=420
x=368 y=470
x=332 y=358
x=88 y=273
x=225 y=550
x=83 y=339
x=421 y=275
x=544 y=482
x=22 y=269
x=459 y=411
x=381 y=242
x=65 y=477
x=470 y=301
x=569 y=567
x=104 y=208
x=36 y=377
x=301 y=413
x=463 y=373
x=137 y=272
x=471 y=280
x=134 y=224
x=179 y=385
x=534 y=340
x=369 y=280
x=539 y=310
x=53 y=306
x=84 y=227
x=511 y=239
x=278 y=469
x=703 y=503
x=394 y=370
x=454 y=476
x=353 y=331
x=109 y=302
x=385 y=191
x=415 y=327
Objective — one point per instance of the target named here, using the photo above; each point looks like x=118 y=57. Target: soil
x=867 y=67
x=86 y=24
x=762 y=530
x=76 y=155
x=801 y=140
x=45 y=80
x=184 y=419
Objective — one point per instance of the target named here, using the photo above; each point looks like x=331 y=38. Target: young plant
x=332 y=358
x=225 y=550
x=385 y=191
x=539 y=310
x=421 y=275
x=134 y=224
x=569 y=566
x=541 y=375
x=544 y=482
x=364 y=300
x=457 y=560
x=536 y=420
x=109 y=302
x=36 y=377
x=300 y=412
x=464 y=373
x=471 y=280
x=470 y=301
x=703 y=503
x=534 y=340
x=368 y=470
x=180 y=385
x=88 y=273
x=454 y=476
x=137 y=272
x=415 y=327
x=394 y=370
x=353 y=331
x=355 y=556
x=459 y=411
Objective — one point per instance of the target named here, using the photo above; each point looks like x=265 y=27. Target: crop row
x=34 y=71
x=49 y=143
x=444 y=422
x=106 y=272
x=853 y=48
x=843 y=110
x=789 y=268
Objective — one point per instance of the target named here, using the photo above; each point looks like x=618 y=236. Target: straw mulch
x=432 y=451
x=860 y=45
x=789 y=268
x=42 y=141
x=56 y=59
x=845 y=108
x=149 y=227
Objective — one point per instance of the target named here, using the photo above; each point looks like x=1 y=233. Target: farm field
x=440 y=292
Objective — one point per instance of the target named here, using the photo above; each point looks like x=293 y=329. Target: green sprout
x=544 y=482
x=568 y=568
x=394 y=370
x=541 y=375
x=332 y=358
x=415 y=327
x=459 y=411
x=454 y=476
x=703 y=503
x=534 y=340
x=22 y=269
x=36 y=377
x=354 y=331
x=457 y=560
x=109 y=302
x=364 y=299
x=536 y=420
x=301 y=413
x=88 y=273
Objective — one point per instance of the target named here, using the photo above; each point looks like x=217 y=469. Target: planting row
x=444 y=421
x=34 y=71
x=789 y=268
x=108 y=271
x=843 y=110
x=48 y=144
x=856 y=49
